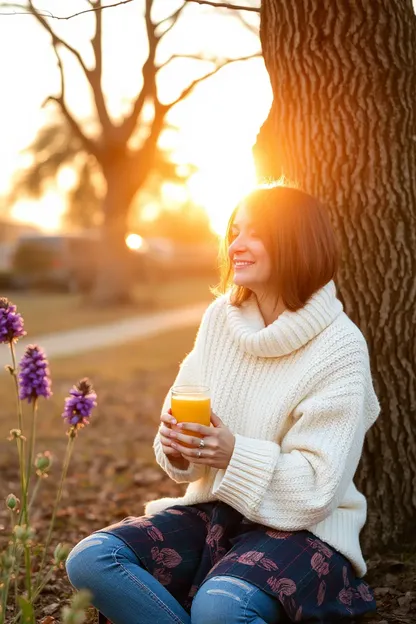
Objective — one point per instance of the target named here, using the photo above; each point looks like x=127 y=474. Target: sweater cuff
x=178 y=475
x=243 y=484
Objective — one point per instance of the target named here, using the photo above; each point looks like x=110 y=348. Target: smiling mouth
x=242 y=264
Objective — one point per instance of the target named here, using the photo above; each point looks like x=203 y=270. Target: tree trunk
x=342 y=125
x=115 y=275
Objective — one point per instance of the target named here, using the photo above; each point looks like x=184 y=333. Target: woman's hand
x=175 y=457
x=218 y=443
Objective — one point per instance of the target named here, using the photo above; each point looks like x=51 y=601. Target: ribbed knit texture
x=299 y=397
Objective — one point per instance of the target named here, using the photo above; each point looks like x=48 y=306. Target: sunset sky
x=218 y=123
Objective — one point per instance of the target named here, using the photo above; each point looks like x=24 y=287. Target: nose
x=237 y=246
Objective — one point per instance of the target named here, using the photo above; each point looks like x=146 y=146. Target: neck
x=270 y=307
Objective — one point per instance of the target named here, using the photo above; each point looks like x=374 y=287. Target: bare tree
x=124 y=168
x=343 y=125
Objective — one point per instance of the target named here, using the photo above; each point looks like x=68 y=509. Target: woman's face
x=250 y=258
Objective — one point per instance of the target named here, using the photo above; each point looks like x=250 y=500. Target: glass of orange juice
x=191 y=404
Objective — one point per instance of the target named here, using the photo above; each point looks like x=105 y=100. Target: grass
x=52 y=312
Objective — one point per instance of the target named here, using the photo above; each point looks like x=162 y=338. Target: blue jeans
x=127 y=594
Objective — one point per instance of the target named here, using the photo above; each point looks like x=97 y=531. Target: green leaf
x=28 y=613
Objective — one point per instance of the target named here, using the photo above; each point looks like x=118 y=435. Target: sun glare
x=46 y=213
x=134 y=241
x=220 y=188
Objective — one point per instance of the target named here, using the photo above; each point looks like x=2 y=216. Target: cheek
x=263 y=256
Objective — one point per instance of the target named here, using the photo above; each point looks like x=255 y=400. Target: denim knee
x=221 y=600
x=86 y=558
x=224 y=599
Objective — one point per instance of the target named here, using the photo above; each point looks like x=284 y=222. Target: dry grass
x=49 y=312
x=132 y=362
x=112 y=471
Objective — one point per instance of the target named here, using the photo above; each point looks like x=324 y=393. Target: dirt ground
x=113 y=472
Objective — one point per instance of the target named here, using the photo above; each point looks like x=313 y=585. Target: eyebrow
x=238 y=225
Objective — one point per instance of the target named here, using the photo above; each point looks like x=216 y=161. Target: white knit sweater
x=299 y=397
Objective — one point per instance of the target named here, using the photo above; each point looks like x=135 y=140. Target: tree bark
x=115 y=275
x=342 y=126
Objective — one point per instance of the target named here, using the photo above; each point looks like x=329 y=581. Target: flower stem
x=20 y=425
x=3 y=602
x=34 y=493
x=19 y=402
x=39 y=589
x=67 y=459
x=9 y=575
x=28 y=572
x=31 y=452
x=16 y=557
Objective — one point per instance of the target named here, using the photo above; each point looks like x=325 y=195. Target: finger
x=165 y=440
x=165 y=431
x=168 y=419
x=170 y=451
x=216 y=421
x=183 y=437
x=204 y=431
x=192 y=453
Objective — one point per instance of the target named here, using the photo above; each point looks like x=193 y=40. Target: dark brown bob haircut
x=297 y=233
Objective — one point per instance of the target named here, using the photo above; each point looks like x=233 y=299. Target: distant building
x=10 y=232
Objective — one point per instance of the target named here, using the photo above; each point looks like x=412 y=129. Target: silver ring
x=202 y=443
x=199 y=453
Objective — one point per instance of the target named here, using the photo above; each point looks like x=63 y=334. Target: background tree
x=123 y=152
x=56 y=150
x=342 y=124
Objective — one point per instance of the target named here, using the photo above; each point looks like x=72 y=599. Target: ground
x=113 y=472
x=46 y=312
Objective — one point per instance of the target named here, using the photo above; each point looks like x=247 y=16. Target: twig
x=196 y=82
x=220 y=5
x=224 y=5
x=62 y=17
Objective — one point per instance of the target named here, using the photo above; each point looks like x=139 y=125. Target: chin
x=240 y=281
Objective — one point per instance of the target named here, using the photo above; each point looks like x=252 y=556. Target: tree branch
x=55 y=39
x=172 y=19
x=234 y=7
x=60 y=17
x=224 y=5
x=95 y=74
x=196 y=82
x=143 y=157
x=149 y=71
x=192 y=57
x=89 y=144
x=251 y=27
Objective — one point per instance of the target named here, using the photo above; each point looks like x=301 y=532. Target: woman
x=268 y=529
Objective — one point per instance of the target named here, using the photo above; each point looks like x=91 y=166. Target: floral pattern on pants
x=183 y=546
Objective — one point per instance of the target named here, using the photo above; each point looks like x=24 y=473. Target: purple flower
x=79 y=405
x=34 y=374
x=11 y=322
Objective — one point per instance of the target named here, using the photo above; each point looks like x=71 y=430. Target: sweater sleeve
x=298 y=483
x=189 y=374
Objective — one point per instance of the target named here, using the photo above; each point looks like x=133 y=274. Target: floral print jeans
x=183 y=547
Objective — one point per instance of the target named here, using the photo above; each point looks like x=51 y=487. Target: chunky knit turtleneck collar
x=291 y=330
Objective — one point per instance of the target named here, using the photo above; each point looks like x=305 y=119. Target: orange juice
x=191 y=404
